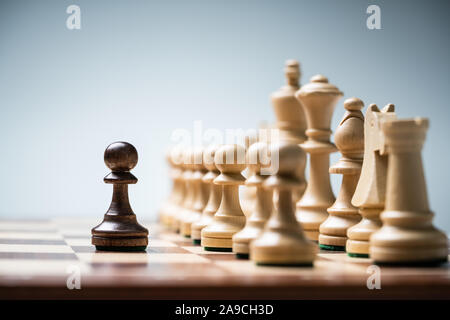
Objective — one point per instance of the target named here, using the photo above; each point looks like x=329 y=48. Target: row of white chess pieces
x=205 y=206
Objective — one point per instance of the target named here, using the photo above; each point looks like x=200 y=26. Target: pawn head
x=188 y=158
x=353 y=104
x=197 y=154
x=208 y=157
x=176 y=155
x=250 y=138
x=121 y=156
x=230 y=158
x=290 y=157
x=258 y=157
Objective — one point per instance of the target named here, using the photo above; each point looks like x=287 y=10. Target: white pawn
x=199 y=193
x=247 y=194
x=229 y=218
x=258 y=160
x=164 y=211
x=215 y=194
x=175 y=206
x=189 y=197
x=283 y=241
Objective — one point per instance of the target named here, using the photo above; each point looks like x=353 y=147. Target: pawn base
x=293 y=265
x=120 y=243
x=185 y=229
x=357 y=255
x=395 y=245
x=217 y=249
x=241 y=248
x=425 y=264
x=273 y=248
x=119 y=233
x=121 y=249
x=409 y=256
x=332 y=241
x=357 y=247
x=222 y=243
x=331 y=248
x=242 y=256
x=197 y=227
x=242 y=239
x=196 y=236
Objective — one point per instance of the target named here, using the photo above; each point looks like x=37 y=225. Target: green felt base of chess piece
x=218 y=249
x=293 y=265
x=331 y=248
x=243 y=256
x=197 y=242
x=186 y=236
x=431 y=263
x=357 y=255
x=121 y=249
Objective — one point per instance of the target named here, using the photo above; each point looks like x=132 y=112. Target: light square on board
x=39 y=267
x=30 y=235
x=35 y=248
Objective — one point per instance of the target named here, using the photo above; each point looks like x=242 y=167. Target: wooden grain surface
x=35 y=255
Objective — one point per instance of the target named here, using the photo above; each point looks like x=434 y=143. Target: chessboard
x=38 y=258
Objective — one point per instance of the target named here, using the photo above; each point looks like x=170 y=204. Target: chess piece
x=349 y=139
x=199 y=193
x=319 y=99
x=176 y=160
x=257 y=159
x=247 y=194
x=120 y=230
x=164 y=212
x=407 y=235
x=283 y=242
x=229 y=218
x=370 y=191
x=215 y=194
x=189 y=197
x=291 y=120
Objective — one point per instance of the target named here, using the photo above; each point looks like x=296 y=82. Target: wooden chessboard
x=35 y=257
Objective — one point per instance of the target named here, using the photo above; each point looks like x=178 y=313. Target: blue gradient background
x=137 y=70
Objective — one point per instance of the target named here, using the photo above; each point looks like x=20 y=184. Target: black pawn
x=120 y=230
